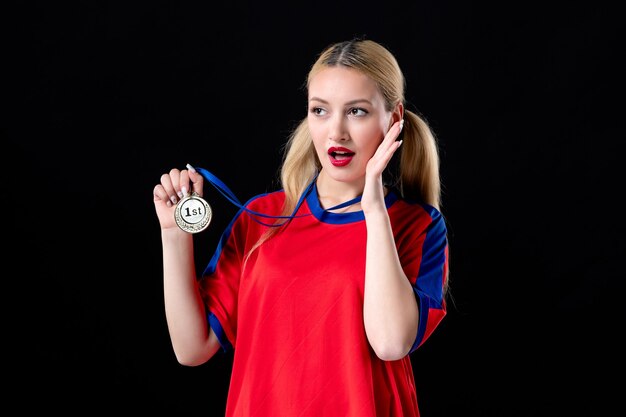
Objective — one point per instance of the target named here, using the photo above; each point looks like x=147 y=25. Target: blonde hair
x=418 y=176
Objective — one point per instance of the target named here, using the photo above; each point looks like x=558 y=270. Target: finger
x=395 y=145
x=184 y=183
x=383 y=157
x=389 y=140
x=391 y=151
x=394 y=131
x=168 y=186
x=197 y=180
x=171 y=184
x=160 y=195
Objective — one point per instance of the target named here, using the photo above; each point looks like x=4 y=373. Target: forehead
x=343 y=84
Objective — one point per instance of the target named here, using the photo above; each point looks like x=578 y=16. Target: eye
x=318 y=111
x=357 y=111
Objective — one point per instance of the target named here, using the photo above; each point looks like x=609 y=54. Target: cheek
x=317 y=135
x=313 y=123
x=370 y=139
x=314 y=129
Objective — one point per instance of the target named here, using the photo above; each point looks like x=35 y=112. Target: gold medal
x=193 y=214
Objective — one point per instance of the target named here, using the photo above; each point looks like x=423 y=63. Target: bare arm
x=390 y=308
x=192 y=338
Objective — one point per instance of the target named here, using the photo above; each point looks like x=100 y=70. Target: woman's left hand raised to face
x=373 y=193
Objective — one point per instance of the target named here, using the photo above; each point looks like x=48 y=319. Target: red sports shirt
x=294 y=312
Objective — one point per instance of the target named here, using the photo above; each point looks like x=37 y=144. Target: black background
x=106 y=97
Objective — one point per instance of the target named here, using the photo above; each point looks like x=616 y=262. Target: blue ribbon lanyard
x=230 y=196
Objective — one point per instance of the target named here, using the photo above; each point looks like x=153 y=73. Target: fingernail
x=169 y=203
x=180 y=194
x=401 y=124
x=190 y=168
x=184 y=189
x=173 y=199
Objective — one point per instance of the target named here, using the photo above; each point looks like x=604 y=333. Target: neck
x=332 y=192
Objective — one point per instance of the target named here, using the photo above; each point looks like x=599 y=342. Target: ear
x=397 y=114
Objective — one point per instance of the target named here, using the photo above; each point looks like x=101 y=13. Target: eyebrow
x=351 y=102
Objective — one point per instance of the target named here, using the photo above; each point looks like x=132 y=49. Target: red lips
x=340 y=156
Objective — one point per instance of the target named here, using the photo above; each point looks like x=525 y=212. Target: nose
x=337 y=131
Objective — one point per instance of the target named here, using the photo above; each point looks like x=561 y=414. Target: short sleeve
x=219 y=283
x=430 y=247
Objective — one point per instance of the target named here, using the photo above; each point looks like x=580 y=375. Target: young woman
x=323 y=310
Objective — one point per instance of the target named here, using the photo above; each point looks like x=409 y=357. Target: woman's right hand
x=174 y=186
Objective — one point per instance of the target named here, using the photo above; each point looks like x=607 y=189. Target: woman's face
x=347 y=120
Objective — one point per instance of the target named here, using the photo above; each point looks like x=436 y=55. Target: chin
x=343 y=174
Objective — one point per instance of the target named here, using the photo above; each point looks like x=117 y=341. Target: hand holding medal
x=193 y=213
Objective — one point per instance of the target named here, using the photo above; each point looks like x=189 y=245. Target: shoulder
x=416 y=215
x=258 y=208
x=269 y=203
x=414 y=208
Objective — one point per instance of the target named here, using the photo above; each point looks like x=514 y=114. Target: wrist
x=375 y=212
x=175 y=234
